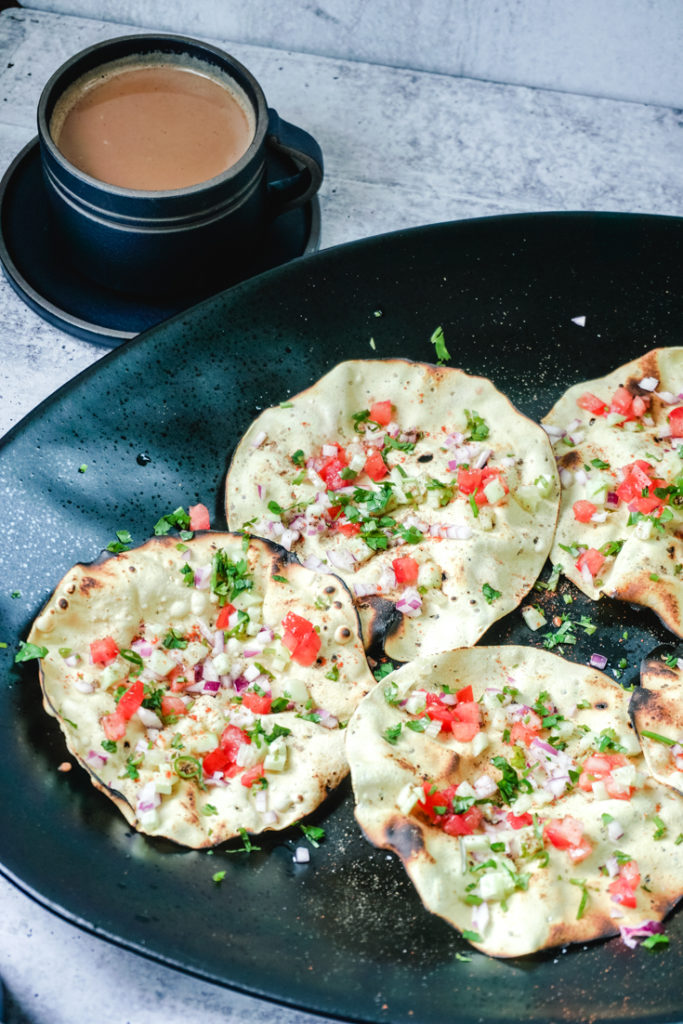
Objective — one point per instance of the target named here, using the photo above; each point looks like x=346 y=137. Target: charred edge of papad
x=641 y=591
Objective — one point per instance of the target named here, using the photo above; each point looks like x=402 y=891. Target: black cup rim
x=80 y=62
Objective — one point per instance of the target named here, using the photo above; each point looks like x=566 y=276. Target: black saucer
x=37 y=268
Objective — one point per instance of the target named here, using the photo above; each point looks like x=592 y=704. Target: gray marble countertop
x=402 y=148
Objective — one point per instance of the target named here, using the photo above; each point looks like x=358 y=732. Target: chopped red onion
x=364 y=589
x=566 y=476
x=341 y=558
x=410 y=602
x=259 y=439
x=72 y=660
x=599 y=517
x=387 y=580
x=484 y=786
x=313 y=563
x=555 y=432
x=211 y=685
x=612 y=499
x=301 y=855
x=327 y=719
x=649 y=383
x=82 y=686
x=666 y=397
x=148 y=798
x=580 y=321
x=629 y=933
x=95 y=759
x=288 y=539
x=206 y=632
x=270 y=818
x=240 y=684
x=202 y=577
x=149 y=719
x=142 y=647
x=598 y=661
x=261 y=801
x=581 y=477
x=614 y=830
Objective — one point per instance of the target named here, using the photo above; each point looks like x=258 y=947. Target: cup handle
x=288 y=193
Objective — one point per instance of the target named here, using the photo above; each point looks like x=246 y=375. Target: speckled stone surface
x=402 y=148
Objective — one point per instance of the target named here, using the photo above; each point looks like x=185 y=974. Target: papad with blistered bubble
x=422 y=486
x=511 y=784
x=618 y=440
x=204 y=686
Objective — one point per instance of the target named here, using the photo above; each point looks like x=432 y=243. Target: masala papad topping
x=512 y=786
x=618 y=441
x=422 y=486
x=204 y=685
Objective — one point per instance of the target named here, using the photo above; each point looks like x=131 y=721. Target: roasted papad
x=539 y=825
x=617 y=441
x=657 y=713
x=421 y=486
x=204 y=685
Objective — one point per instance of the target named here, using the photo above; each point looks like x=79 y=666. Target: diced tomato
x=114 y=726
x=464 y=732
x=464 y=695
x=467 y=711
x=519 y=820
x=252 y=775
x=380 y=412
x=104 y=651
x=592 y=560
x=463 y=824
x=171 y=705
x=405 y=569
x=375 y=466
x=301 y=639
x=640 y=405
x=331 y=469
x=232 y=739
x=473 y=481
x=199 y=517
x=217 y=760
x=349 y=529
x=648 y=505
x=131 y=699
x=584 y=510
x=591 y=403
x=527 y=730
x=222 y=758
x=469 y=480
x=438 y=711
x=622 y=403
x=599 y=767
x=676 y=421
x=224 y=616
x=567 y=834
x=623 y=887
x=436 y=802
x=259 y=704
x=179 y=677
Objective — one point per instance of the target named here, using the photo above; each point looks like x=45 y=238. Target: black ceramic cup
x=161 y=242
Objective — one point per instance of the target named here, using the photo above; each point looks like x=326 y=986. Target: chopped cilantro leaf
x=439 y=342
